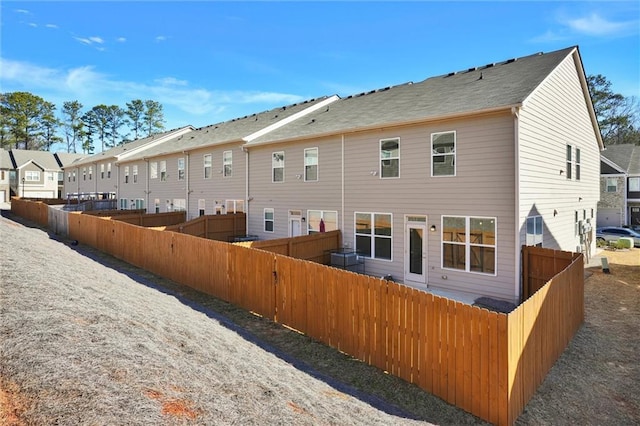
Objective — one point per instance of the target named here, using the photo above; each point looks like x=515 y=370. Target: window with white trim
x=69 y=176
x=390 y=158
x=534 y=231
x=469 y=244
x=268 y=220
x=577 y=163
x=126 y=174
x=156 y=205
x=139 y=204
x=311 y=164
x=101 y=171
x=234 y=206
x=108 y=170
x=74 y=175
x=163 y=171
x=612 y=184
x=32 y=176
x=207 y=161
x=227 y=163
x=576 y=221
x=153 y=170
x=135 y=173
x=320 y=220
x=277 y=166
x=180 y=168
x=374 y=235
x=179 y=204
x=634 y=184
x=443 y=154
x=123 y=203
x=90 y=172
x=201 y=206
x=84 y=173
x=569 y=161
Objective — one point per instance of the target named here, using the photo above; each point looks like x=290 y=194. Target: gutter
x=516 y=161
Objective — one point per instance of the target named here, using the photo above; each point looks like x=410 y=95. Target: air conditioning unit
x=344 y=259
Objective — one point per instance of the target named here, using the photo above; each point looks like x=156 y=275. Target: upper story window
x=443 y=154
x=153 y=170
x=84 y=173
x=268 y=220
x=180 y=168
x=90 y=172
x=577 y=163
x=32 y=176
x=60 y=176
x=163 y=170
x=74 y=175
x=277 y=166
x=634 y=184
x=469 y=243
x=569 y=161
x=101 y=171
x=207 y=161
x=69 y=177
x=311 y=164
x=612 y=184
x=135 y=173
x=126 y=174
x=374 y=236
x=108 y=170
x=227 y=163
x=534 y=231
x=390 y=158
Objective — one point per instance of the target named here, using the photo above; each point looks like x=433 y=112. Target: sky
x=212 y=61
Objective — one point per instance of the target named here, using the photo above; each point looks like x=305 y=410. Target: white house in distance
x=5 y=169
x=437 y=183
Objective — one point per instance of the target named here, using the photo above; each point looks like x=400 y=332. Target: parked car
x=614 y=233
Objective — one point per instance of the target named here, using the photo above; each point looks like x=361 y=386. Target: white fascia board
x=153 y=143
x=612 y=164
x=290 y=119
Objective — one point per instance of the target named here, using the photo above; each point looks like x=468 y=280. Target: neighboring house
x=5 y=169
x=619 y=186
x=97 y=175
x=38 y=174
x=438 y=183
x=203 y=172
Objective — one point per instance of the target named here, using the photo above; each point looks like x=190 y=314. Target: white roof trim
x=291 y=118
x=612 y=164
x=179 y=132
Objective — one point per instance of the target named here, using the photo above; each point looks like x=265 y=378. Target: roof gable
x=44 y=159
x=626 y=157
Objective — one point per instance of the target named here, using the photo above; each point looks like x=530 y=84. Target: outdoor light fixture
x=433 y=228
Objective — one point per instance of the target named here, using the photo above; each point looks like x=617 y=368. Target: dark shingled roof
x=492 y=86
x=626 y=156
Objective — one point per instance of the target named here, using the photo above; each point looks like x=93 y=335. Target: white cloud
x=171 y=81
x=83 y=40
x=54 y=26
x=596 y=25
x=23 y=11
x=33 y=24
x=95 y=39
x=121 y=39
x=161 y=38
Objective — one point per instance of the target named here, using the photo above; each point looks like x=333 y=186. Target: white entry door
x=415 y=251
x=295 y=223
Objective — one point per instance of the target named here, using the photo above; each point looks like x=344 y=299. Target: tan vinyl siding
x=554 y=116
x=170 y=189
x=132 y=191
x=293 y=193
x=483 y=146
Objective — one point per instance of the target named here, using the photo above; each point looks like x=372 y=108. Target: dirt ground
x=86 y=339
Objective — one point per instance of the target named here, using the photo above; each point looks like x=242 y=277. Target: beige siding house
x=5 y=170
x=439 y=183
x=619 y=186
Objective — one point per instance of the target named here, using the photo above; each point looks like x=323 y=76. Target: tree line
x=28 y=121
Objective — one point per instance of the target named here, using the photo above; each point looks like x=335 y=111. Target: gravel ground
x=86 y=339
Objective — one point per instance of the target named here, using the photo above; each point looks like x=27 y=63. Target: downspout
x=246 y=189
x=186 y=173
x=95 y=184
x=517 y=248
x=342 y=186
x=146 y=189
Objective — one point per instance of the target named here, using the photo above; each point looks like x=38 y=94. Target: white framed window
x=74 y=175
x=101 y=171
x=123 y=203
x=69 y=177
x=443 y=154
x=374 y=235
x=126 y=174
x=576 y=221
x=32 y=176
x=612 y=184
x=207 y=161
x=201 y=206
x=234 y=206
x=321 y=221
x=577 y=163
x=227 y=163
x=634 y=184
x=163 y=171
x=139 y=204
x=50 y=176
x=108 y=170
x=389 y=158
x=156 y=205
x=181 y=168
x=84 y=173
x=569 y=161
x=268 y=220
x=534 y=231
x=179 y=204
x=153 y=170
x=311 y=164
x=134 y=170
x=277 y=166
x=469 y=244
x=90 y=172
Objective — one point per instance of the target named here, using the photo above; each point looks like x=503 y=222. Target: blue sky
x=210 y=61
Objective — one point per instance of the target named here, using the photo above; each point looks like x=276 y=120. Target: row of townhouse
x=437 y=183
x=620 y=186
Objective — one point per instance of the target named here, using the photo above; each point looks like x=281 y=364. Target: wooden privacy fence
x=539 y=265
x=152 y=219
x=487 y=363
x=222 y=227
x=314 y=247
x=35 y=211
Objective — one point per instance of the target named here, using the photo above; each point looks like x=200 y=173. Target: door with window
x=415 y=251
x=295 y=223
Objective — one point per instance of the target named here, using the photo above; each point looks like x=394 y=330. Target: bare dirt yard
x=88 y=340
